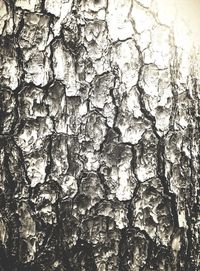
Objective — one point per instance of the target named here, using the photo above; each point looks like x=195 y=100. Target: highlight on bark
x=99 y=135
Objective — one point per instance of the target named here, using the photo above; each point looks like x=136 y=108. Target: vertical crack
x=165 y=183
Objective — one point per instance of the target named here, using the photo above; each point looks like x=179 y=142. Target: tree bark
x=99 y=129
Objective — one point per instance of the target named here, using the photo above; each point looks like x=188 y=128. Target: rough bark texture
x=99 y=139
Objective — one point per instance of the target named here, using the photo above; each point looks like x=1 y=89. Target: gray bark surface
x=99 y=139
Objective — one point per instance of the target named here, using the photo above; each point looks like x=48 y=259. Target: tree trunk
x=99 y=149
